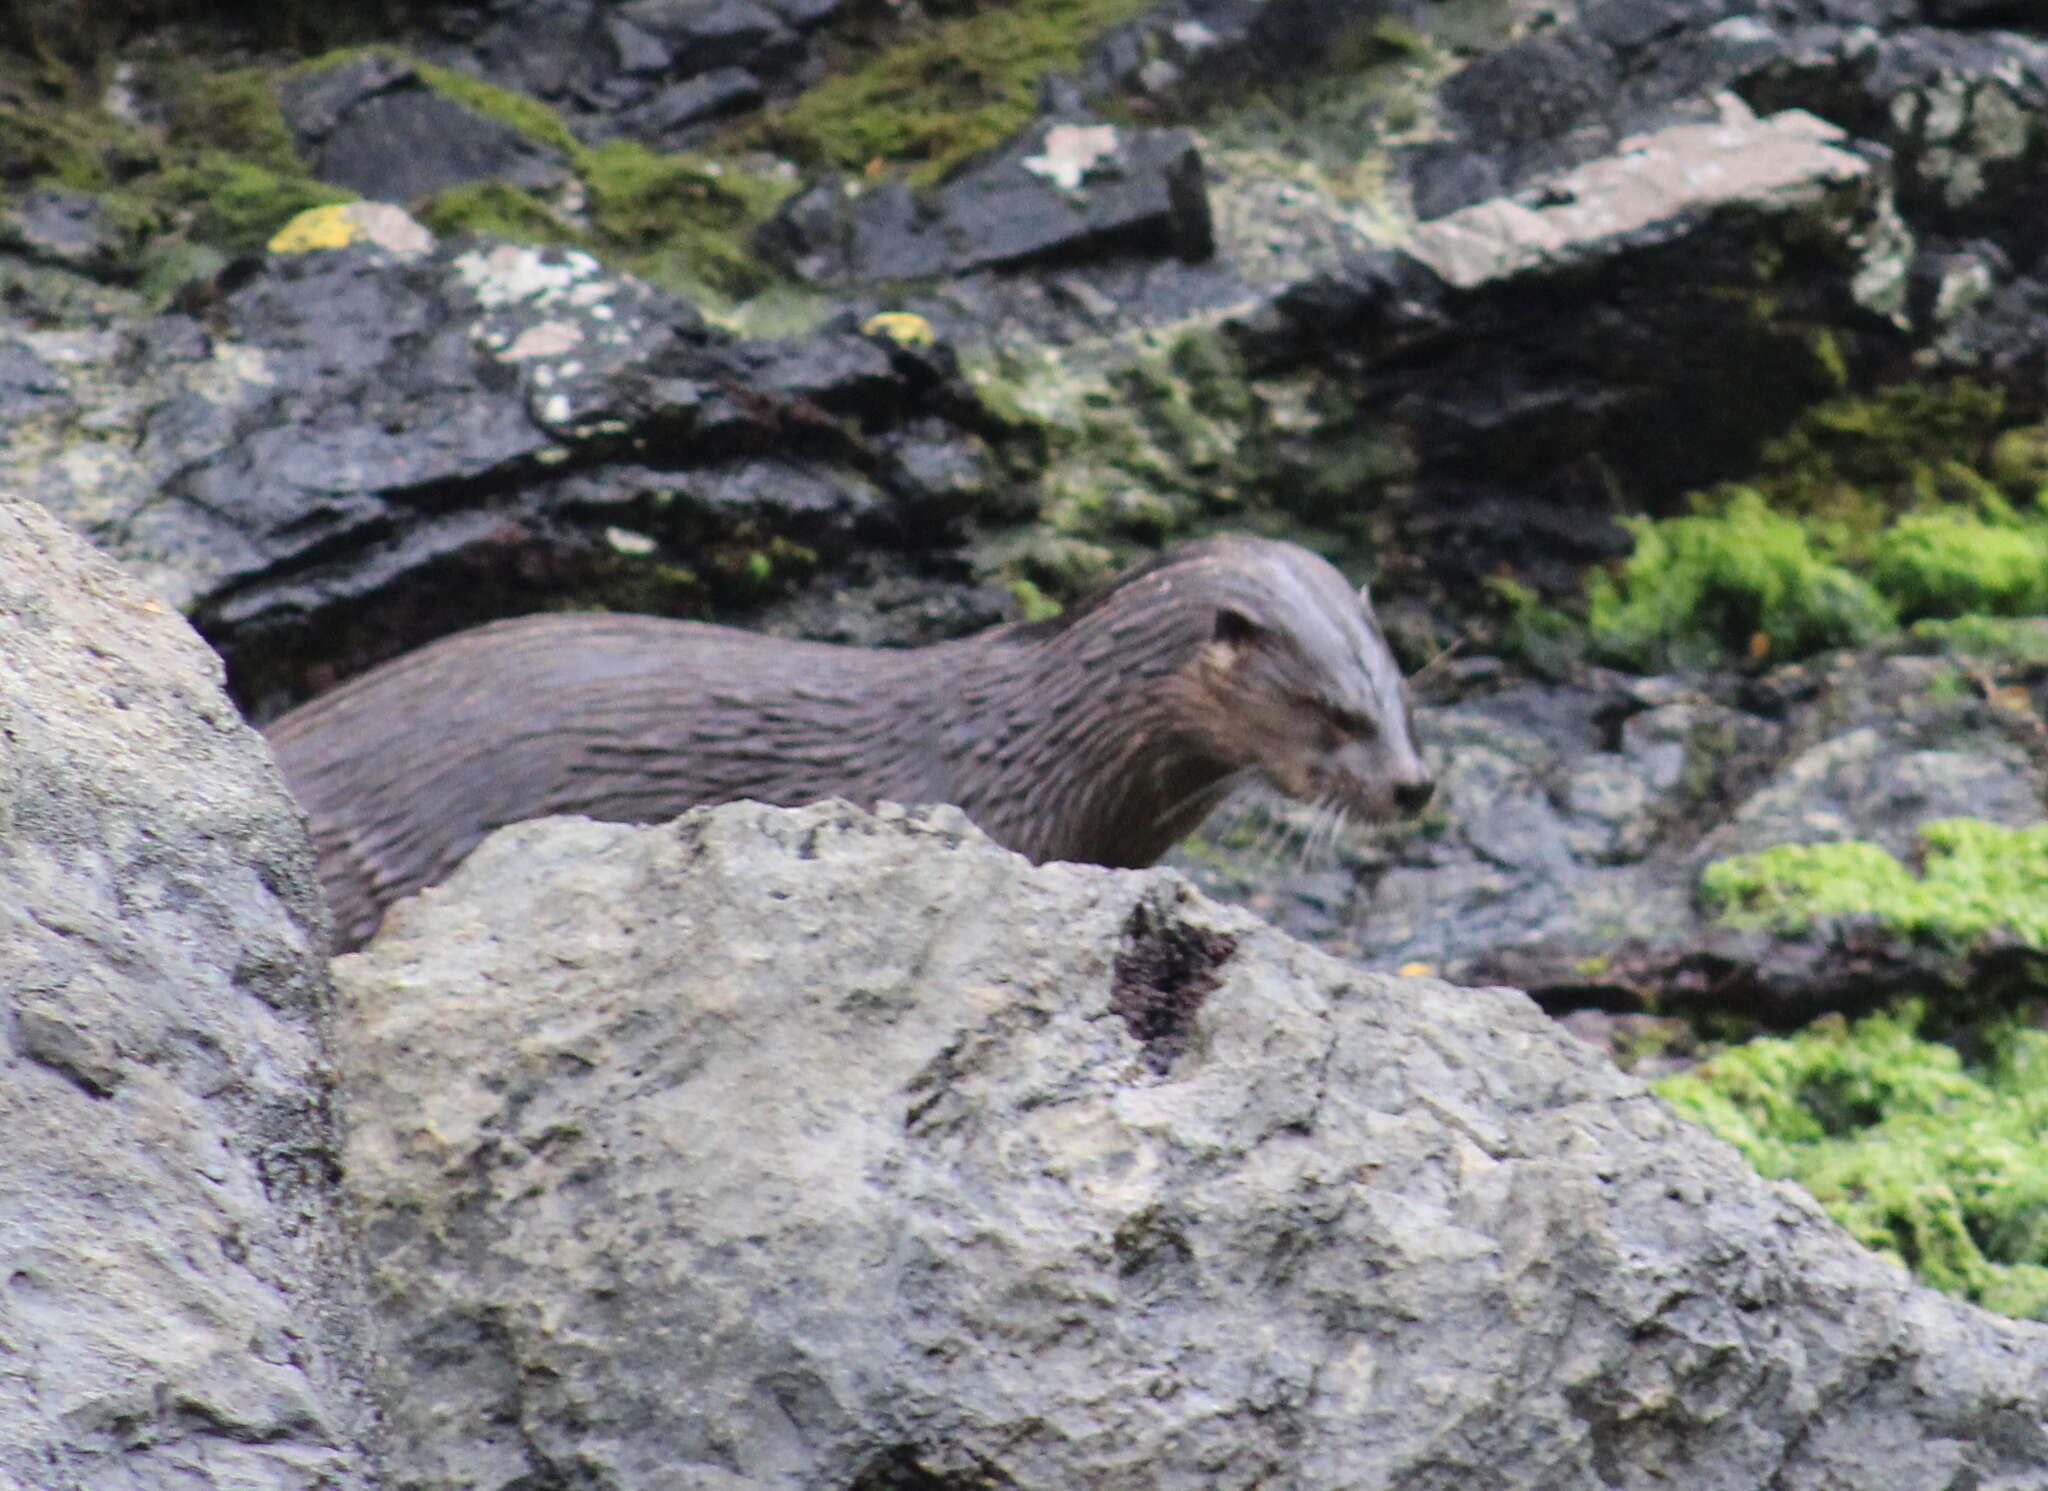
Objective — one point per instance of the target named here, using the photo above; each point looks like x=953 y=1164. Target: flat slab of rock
x=1058 y=189
x=820 y=1149
x=1655 y=183
x=175 y=1308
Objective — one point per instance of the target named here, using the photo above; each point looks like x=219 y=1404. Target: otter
x=1104 y=735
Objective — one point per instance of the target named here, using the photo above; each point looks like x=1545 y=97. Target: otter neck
x=1079 y=746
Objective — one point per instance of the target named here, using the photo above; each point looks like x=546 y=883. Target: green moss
x=237 y=204
x=684 y=219
x=1976 y=878
x=1545 y=637
x=945 y=90
x=1849 y=463
x=1994 y=639
x=1943 y=1166
x=521 y=111
x=1745 y=582
x=1946 y=562
x=494 y=207
x=232 y=113
x=1904 y=503
x=2019 y=463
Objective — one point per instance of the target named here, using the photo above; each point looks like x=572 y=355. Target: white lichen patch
x=545 y=339
x=513 y=274
x=1073 y=151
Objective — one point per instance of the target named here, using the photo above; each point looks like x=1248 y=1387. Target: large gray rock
x=814 y=1149
x=176 y=1307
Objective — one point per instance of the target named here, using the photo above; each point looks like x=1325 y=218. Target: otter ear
x=1234 y=628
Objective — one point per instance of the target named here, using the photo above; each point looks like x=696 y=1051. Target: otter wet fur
x=1104 y=735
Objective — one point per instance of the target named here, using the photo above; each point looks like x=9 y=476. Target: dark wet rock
x=1185 y=51
x=820 y=1149
x=1955 y=107
x=374 y=125
x=1060 y=190
x=1571 y=824
x=28 y=384
x=56 y=225
x=660 y=71
x=179 y=1305
x=671 y=114
x=1513 y=338
x=394 y=443
x=714 y=35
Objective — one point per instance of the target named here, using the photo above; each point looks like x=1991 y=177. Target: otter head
x=1296 y=682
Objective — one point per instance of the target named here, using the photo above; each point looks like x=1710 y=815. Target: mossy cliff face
x=1975 y=879
x=1919 y=502
x=1938 y=1162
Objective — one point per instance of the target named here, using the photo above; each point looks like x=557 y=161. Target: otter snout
x=1411 y=797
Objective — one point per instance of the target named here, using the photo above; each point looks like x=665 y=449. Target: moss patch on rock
x=1163 y=435
x=1744 y=581
x=224 y=173
x=1976 y=878
x=937 y=91
x=1918 y=501
x=1990 y=639
x=1940 y=1164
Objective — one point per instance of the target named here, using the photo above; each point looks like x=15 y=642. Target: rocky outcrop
x=817 y=1149
x=1062 y=190
x=176 y=1304
x=374 y=125
x=459 y=430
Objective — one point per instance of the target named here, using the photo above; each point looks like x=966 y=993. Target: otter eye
x=1233 y=626
x=1350 y=721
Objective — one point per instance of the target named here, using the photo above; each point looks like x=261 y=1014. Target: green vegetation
x=1976 y=878
x=1910 y=504
x=1951 y=562
x=1700 y=587
x=497 y=208
x=941 y=92
x=1993 y=639
x=682 y=220
x=225 y=174
x=1161 y=435
x=1941 y=1165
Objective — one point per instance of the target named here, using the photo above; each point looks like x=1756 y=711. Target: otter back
x=1105 y=735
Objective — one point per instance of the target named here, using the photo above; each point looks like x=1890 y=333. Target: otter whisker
x=1438 y=660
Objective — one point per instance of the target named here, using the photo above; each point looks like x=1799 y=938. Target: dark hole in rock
x=1165 y=971
x=904 y=1468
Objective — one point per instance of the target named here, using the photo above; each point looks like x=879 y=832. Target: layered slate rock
x=457 y=431
x=1062 y=189
x=817 y=1149
x=175 y=1306
x=652 y=70
x=374 y=125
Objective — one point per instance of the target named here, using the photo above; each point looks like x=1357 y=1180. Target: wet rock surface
x=1064 y=189
x=375 y=126
x=1571 y=824
x=362 y=424
x=644 y=69
x=820 y=1149
x=177 y=1303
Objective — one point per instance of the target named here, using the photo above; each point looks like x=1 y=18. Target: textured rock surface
x=813 y=1150
x=174 y=1308
x=1062 y=189
x=458 y=432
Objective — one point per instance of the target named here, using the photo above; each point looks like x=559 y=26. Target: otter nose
x=1413 y=797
